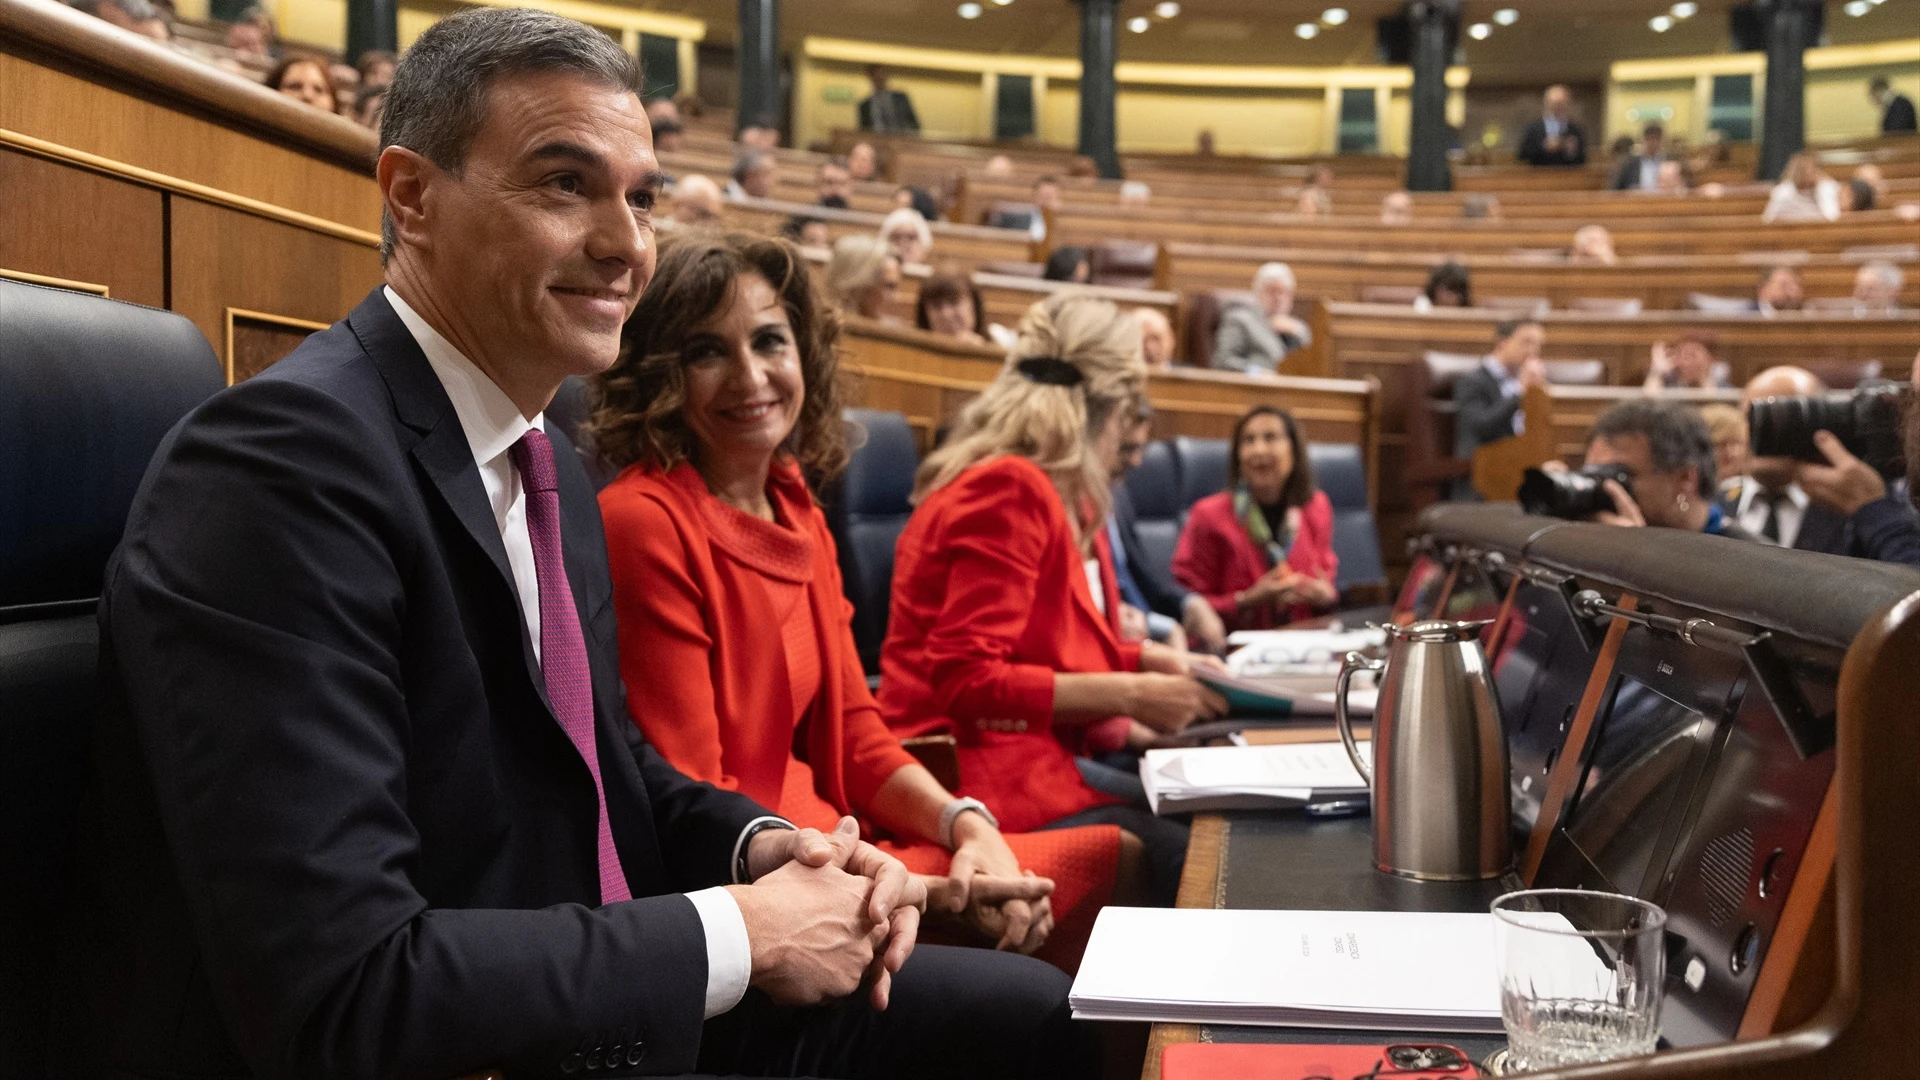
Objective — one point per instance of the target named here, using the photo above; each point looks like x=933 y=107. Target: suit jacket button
x=573 y=1063
x=636 y=1053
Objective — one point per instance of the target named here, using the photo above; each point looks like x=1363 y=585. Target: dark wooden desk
x=1287 y=860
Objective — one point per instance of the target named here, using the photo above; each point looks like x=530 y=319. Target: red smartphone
x=1288 y=1061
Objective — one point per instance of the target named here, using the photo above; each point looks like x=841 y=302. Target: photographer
x=1648 y=463
x=1880 y=525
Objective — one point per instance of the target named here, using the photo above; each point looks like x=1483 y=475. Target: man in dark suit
x=887 y=110
x=1896 y=109
x=1487 y=399
x=367 y=801
x=1556 y=138
x=1641 y=171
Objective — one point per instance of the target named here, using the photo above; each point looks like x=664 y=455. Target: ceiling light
x=1686 y=9
x=1506 y=16
x=1138 y=24
x=1661 y=23
x=969 y=11
x=1166 y=10
x=1334 y=16
x=1306 y=31
x=1479 y=31
x=1857 y=8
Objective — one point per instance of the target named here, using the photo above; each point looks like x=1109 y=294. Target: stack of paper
x=1286 y=698
x=1267 y=653
x=1190 y=779
x=1392 y=970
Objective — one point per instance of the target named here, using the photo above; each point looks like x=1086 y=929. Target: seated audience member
x=1555 y=138
x=1688 y=363
x=918 y=200
x=835 y=183
x=1665 y=449
x=134 y=16
x=696 y=201
x=1843 y=507
x=1316 y=198
x=1068 y=264
x=1480 y=206
x=1156 y=338
x=252 y=34
x=1856 y=195
x=1134 y=195
x=908 y=236
x=1804 y=193
x=1672 y=179
x=396 y=821
x=1048 y=193
x=376 y=67
x=1003 y=626
x=1487 y=400
x=1874 y=177
x=369 y=102
x=346 y=82
x=1876 y=288
x=1204 y=143
x=1261 y=552
x=1779 y=290
x=1448 y=285
x=753 y=175
x=862 y=277
x=1166 y=611
x=1727 y=426
x=716 y=544
x=760 y=135
x=950 y=305
x=998 y=167
x=808 y=232
x=1396 y=209
x=1641 y=171
x=304 y=79
x=863 y=161
x=1257 y=337
x=668 y=136
x=1592 y=246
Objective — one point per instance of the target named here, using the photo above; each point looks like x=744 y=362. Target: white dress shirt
x=492 y=424
x=1790 y=511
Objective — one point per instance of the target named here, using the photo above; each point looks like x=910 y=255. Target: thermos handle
x=1354 y=662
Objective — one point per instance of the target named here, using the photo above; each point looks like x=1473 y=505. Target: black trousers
x=1165 y=842
x=954 y=1013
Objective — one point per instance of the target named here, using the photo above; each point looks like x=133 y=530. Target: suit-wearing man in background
x=1896 y=109
x=366 y=798
x=1556 y=138
x=887 y=110
x=1487 y=400
x=1641 y=171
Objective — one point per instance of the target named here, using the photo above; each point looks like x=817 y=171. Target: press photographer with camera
x=1648 y=463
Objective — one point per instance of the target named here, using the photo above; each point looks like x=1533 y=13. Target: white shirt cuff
x=729 y=954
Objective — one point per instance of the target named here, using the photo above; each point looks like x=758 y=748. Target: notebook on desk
x=1386 y=970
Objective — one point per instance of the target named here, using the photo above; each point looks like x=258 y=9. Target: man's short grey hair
x=1274 y=271
x=1676 y=436
x=745 y=163
x=437 y=101
x=1885 y=272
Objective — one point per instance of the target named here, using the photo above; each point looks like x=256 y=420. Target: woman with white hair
x=1256 y=337
x=907 y=236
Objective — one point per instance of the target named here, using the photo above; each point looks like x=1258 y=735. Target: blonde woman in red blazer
x=1261 y=552
x=1000 y=630
x=735 y=640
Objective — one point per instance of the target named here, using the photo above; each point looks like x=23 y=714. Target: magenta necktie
x=563 y=652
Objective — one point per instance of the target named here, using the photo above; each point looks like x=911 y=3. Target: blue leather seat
x=1202 y=464
x=1154 y=490
x=88 y=388
x=1339 y=471
x=867 y=509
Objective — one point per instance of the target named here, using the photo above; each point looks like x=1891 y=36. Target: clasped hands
x=1284 y=585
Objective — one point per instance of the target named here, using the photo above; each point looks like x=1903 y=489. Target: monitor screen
x=1640 y=772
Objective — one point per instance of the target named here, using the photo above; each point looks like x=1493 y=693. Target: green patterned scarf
x=1255 y=523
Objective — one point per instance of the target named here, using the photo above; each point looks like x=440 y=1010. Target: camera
x=1572 y=495
x=1867 y=423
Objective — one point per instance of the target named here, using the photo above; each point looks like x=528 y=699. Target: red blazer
x=990 y=599
x=1216 y=558
x=700 y=642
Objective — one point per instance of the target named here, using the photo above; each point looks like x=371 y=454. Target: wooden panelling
x=257 y=340
x=224 y=259
x=61 y=222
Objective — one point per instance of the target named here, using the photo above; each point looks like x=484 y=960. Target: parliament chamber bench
x=967 y=245
x=1713 y=726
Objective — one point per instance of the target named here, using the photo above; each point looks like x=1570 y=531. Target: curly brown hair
x=637 y=403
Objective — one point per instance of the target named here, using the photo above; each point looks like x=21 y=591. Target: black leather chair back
x=568 y=412
x=1202 y=466
x=1339 y=472
x=1154 y=490
x=867 y=510
x=88 y=387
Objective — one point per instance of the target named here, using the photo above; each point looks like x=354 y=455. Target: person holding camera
x=1648 y=463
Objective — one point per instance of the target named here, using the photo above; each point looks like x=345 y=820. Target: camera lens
x=1571 y=495
x=1867 y=423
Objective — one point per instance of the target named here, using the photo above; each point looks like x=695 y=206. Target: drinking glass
x=1581 y=975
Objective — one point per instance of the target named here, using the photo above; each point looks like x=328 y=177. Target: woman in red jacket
x=1002 y=626
x=1261 y=552
x=735 y=643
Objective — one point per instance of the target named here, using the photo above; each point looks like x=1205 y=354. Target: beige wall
x=1836 y=90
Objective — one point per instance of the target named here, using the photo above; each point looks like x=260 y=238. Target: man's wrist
x=744 y=862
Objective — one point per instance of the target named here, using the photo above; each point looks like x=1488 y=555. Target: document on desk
x=1269 y=653
x=1386 y=970
x=1190 y=779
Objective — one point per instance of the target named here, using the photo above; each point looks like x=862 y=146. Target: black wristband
x=741 y=876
